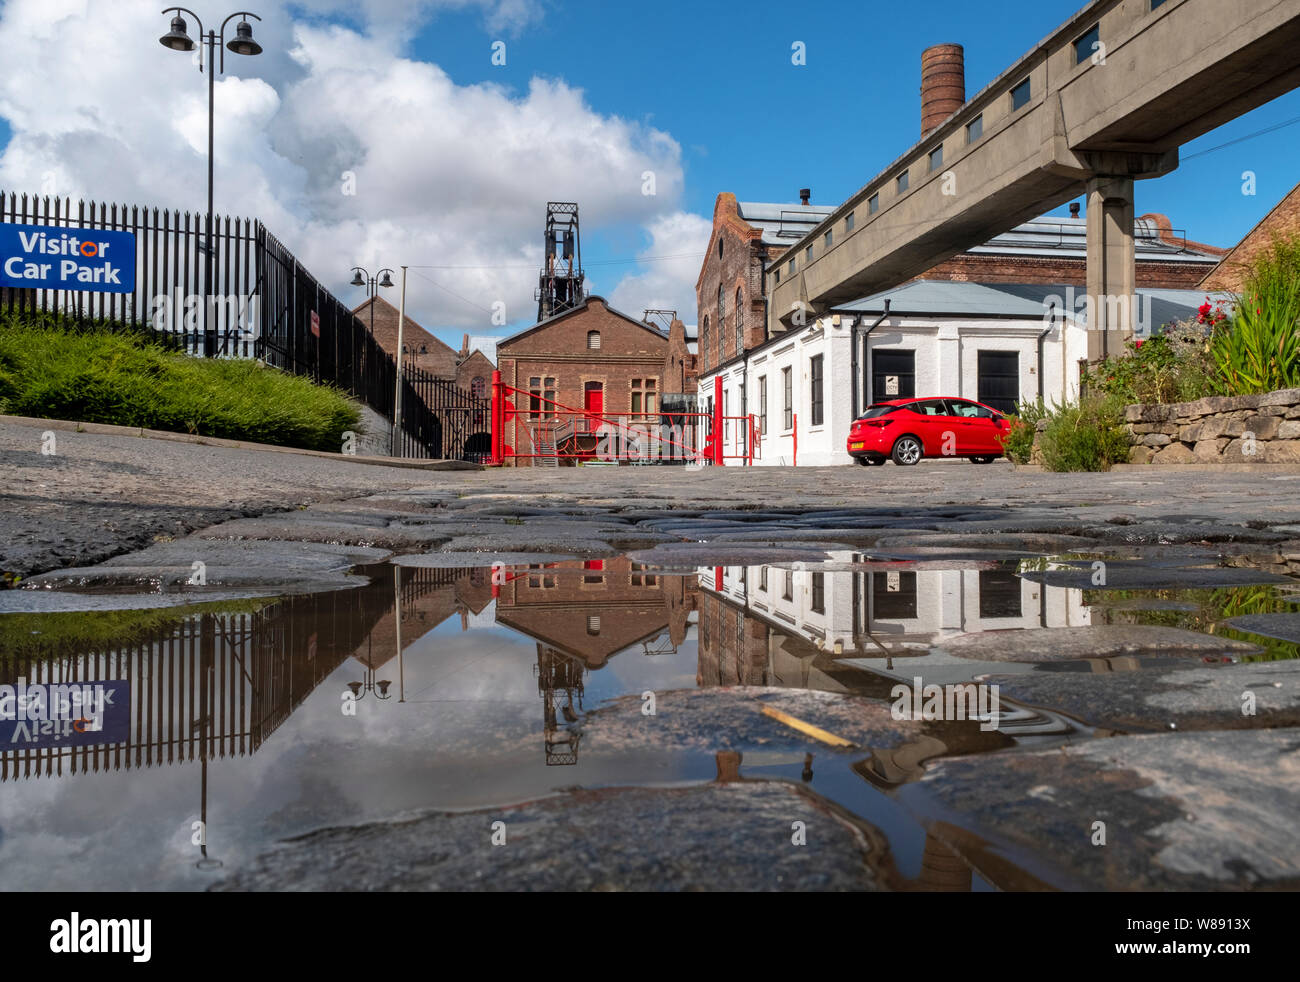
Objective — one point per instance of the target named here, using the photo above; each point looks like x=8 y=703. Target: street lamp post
x=362 y=277
x=241 y=44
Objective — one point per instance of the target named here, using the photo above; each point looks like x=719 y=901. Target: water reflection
x=208 y=687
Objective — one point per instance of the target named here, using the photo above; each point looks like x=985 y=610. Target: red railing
x=556 y=432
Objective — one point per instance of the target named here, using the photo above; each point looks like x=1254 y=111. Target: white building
x=996 y=343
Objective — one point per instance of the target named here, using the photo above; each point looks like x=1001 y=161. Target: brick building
x=1282 y=222
x=596 y=363
x=420 y=349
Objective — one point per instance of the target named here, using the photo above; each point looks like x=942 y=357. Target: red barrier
x=498 y=421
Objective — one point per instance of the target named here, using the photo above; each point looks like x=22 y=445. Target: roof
x=576 y=310
x=1047 y=236
x=486 y=343
x=1011 y=300
x=783 y=224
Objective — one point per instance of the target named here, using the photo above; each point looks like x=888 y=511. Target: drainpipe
x=1051 y=322
x=865 y=334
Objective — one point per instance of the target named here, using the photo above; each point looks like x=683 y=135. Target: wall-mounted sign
x=52 y=257
x=891 y=385
x=315 y=323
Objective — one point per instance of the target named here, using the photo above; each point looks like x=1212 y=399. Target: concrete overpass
x=1108 y=98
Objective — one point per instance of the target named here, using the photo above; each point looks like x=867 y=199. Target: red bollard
x=497 y=421
x=718 y=459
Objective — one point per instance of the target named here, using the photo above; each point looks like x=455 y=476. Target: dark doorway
x=1000 y=594
x=893 y=374
x=998 y=380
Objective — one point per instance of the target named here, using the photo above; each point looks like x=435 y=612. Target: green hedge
x=103 y=375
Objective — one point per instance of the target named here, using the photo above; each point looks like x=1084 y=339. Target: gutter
x=1051 y=323
x=854 y=365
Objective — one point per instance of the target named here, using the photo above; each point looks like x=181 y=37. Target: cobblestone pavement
x=100 y=496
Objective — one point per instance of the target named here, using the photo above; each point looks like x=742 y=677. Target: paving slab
x=1049 y=644
x=1181 y=811
x=1284 y=627
x=1184 y=695
x=715 y=837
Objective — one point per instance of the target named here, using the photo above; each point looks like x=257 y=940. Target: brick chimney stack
x=943 y=84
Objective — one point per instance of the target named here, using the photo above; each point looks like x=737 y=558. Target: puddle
x=235 y=725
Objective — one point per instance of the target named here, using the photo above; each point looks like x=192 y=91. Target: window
x=478 y=387
x=722 y=321
x=776 y=271
x=819 y=593
x=593 y=625
x=975 y=129
x=815 y=374
x=787 y=588
x=719 y=248
x=873 y=205
x=726 y=413
x=762 y=578
x=808 y=256
x=787 y=380
x=645 y=393
x=762 y=404
x=1085 y=46
x=541 y=396
x=930 y=407
x=740 y=322
x=594 y=572
x=828 y=239
x=790 y=268
x=640 y=577
x=848 y=223
x=593 y=340
x=1156 y=3
x=539 y=580
x=969 y=410
x=936 y=157
x=1020 y=94
x=705 y=337
x=902 y=182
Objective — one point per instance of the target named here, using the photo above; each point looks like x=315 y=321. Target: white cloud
x=667 y=283
x=446 y=174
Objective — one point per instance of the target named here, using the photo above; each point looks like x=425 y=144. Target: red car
x=910 y=429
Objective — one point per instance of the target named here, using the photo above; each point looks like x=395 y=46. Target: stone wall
x=1215 y=430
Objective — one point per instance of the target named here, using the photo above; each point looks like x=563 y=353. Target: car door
x=934 y=424
x=977 y=428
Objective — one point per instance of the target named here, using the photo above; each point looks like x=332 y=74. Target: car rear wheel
x=983 y=460
x=872 y=461
x=908 y=451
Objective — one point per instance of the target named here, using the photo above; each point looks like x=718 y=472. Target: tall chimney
x=943 y=84
x=805 y=195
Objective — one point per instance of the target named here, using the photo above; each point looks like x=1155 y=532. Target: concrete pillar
x=1112 y=266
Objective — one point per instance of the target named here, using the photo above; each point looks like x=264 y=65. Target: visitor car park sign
x=51 y=257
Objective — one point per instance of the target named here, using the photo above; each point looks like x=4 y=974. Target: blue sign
x=72 y=714
x=52 y=257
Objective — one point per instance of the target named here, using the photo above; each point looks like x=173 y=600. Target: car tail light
x=878 y=424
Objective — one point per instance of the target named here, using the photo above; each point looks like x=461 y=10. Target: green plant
x=1257 y=348
x=1018 y=444
x=98 y=374
x=1085 y=436
x=1172 y=366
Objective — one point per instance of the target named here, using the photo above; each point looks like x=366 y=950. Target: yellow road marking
x=816 y=732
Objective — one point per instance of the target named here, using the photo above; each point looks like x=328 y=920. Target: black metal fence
x=262 y=304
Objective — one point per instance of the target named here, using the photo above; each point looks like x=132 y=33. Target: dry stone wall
x=1258 y=429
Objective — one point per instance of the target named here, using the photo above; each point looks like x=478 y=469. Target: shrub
x=102 y=375
x=1085 y=436
x=1172 y=366
x=1019 y=440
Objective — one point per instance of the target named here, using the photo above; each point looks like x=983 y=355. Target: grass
x=70 y=633
x=109 y=375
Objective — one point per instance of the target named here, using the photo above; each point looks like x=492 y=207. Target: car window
x=970 y=410
x=875 y=411
x=929 y=407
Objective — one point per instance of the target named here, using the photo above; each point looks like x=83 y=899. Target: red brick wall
x=1282 y=222
x=628 y=350
x=437 y=358
x=1066 y=272
x=740 y=267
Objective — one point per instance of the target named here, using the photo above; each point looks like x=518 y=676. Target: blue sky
x=716 y=78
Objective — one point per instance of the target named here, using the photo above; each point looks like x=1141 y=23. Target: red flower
x=1139 y=344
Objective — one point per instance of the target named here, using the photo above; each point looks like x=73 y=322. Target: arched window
x=719 y=248
x=705 y=336
x=478 y=387
x=722 y=320
x=593 y=340
x=740 y=322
